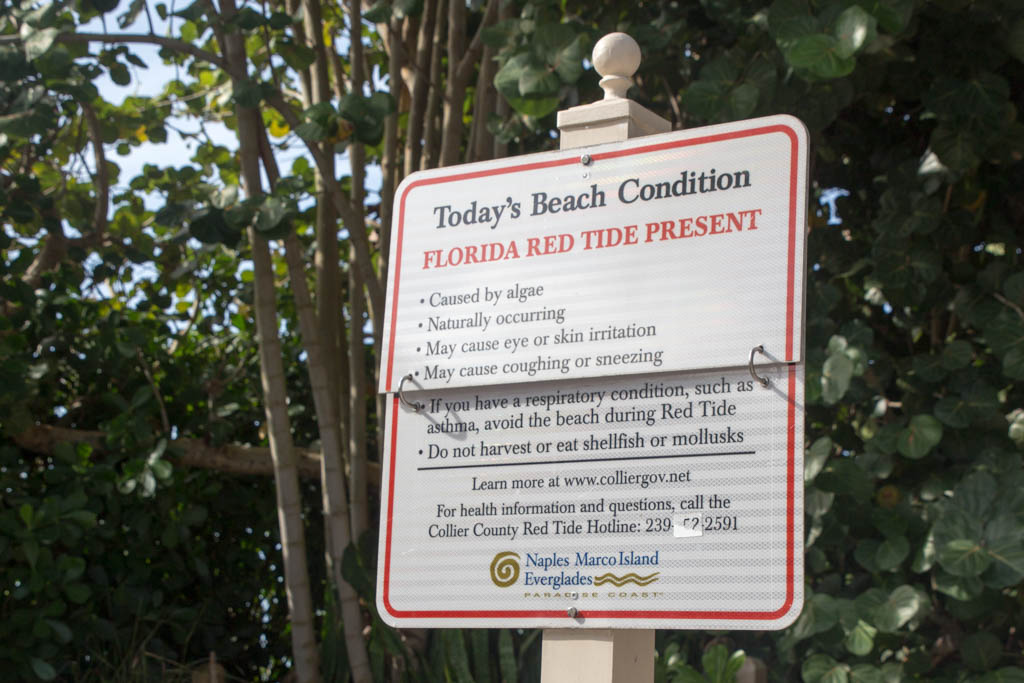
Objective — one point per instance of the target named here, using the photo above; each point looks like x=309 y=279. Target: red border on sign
x=791 y=436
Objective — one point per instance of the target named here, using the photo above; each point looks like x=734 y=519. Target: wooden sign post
x=606 y=655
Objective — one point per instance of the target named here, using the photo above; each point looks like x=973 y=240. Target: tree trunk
x=335 y=501
x=432 y=137
x=289 y=503
x=356 y=279
x=420 y=88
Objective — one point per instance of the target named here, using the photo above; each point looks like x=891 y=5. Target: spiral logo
x=505 y=569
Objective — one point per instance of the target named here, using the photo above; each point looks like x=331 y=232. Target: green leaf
x=957 y=587
x=295 y=55
x=957 y=148
x=705 y=99
x=568 y=62
x=273 y=215
x=1004 y=545
x=844 y=476
x=119 y=74
x=311 y=131
x=194 y=12
x=985 y=98
x=920 y=437
x=732 y=667
x=1013 y=363
x=714 y=661
x=903 y=604
x=963 y=557
x=148 y=482
x=1013 y=288
x=247 y=93
x=367 y=115
x=816 y=456
x=865 y=673
x=456 y=651
x=1007 y=674
x=60 y=629
x=981 y=651
x=891 y=553
x=534 y=106
x=27 y=514
x=83 y=518
x=836 y=374
x=538 y=81
x=31 y=550
x=72 y=568
x=819 y=54
x=1015 y=40
x=77 y=593
x=893 y=15
x=861 y=639
x=855 y=28
x=209 y=227
x=817 y=503
x=506 y=80
x=172 y=214
x=37 y=41
x=870 y=600
x=953 y=412
x=821 y=668
x=789 y=20
x=866 y=553
x=507 y=656
x=820 y=613
x=975 y=495
x=66 y=453
x=378 y=13
x=43 y=670
x=195 y=515
x=957 y=355
x=248 y=19
x=162 y=469
x=929 y=367
x=141 y=396
x=355 y=574
x=687 y=674
x=743 y=100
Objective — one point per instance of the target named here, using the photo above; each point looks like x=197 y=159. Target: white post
x=604 y=655
x=614 y=119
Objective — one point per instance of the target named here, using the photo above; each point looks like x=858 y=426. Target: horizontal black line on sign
x=569 y=462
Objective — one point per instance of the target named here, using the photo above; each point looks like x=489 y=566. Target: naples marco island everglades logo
x=505 y=570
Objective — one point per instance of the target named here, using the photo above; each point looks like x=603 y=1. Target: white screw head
x=616 y=57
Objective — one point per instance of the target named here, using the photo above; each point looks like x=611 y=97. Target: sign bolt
x=572 y=612
x=585 y=160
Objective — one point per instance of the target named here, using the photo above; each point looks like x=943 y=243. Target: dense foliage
x=132 y=541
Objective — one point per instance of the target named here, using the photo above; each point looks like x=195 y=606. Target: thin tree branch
x=156 y=391
x=145 y=38
x=1006 y=302
x=102 y=178
x=472 y=54
x=187 y=452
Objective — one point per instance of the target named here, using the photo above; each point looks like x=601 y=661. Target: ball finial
x=616 y=57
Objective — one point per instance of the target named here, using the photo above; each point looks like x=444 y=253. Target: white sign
x=669 y=252
x=669 y=500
